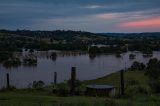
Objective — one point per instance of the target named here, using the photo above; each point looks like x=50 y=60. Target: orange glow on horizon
x=153 y=22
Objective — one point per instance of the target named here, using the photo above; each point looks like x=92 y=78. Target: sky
x=81 y=15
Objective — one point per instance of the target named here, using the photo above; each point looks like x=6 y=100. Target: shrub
x=38 y=84
x=62 y=89
x=137 y=89
x=132 y=82
x=153 y=73
x=137 y=66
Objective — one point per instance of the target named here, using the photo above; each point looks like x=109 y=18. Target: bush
x=137 y=89
x=137 y=66
x=153 y=73
x=79 y=87
x=131 y=82
x=62 y=89
x=38 y=85
x=11 y=88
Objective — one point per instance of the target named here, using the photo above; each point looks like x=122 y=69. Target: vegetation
x=138 y=86
x=137 y=94
x=141 y=81
x=137 y=66
x=11 y=60
x=153 y=72
x=43 y=98
x=114 y=79
x=132 y=56
x=37 y=98
x=78 y=40
x=38 y=84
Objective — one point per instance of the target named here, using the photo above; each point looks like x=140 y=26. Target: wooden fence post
x=55 y=78
x=122 y=82
x=73 y=80
x=8 y=82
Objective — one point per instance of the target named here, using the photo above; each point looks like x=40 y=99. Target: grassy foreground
x=136 y=99
x=41 y=98
x=26 y=98
x=46 y=98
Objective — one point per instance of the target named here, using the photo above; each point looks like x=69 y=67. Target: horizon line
x=77 y=31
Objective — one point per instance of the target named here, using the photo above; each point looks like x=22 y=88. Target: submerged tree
x=9 y=60
x=12 y=63
x=54 y=56
x=5 y=56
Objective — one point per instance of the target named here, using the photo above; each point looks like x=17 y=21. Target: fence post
x=8 y=82
x=73 y=80
x=122 y=82
x=55 y=78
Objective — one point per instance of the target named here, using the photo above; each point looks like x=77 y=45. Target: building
x=100 y=90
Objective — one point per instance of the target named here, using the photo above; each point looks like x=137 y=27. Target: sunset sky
x=85 y=15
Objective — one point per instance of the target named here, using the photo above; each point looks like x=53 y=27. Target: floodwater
x=88 y=67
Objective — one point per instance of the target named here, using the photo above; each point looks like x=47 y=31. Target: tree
x=138 y=66
x=153 y=72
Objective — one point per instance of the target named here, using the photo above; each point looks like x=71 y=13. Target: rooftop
x=100 y=86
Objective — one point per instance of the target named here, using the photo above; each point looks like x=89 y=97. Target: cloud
x=108 y=16
x=153 y=22
x=79 y=14
x=93 y=6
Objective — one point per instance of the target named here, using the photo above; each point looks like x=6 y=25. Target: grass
x=151 y=100
x=46 y=98
x=135 y=99
x=42 y=98
x=114 y=78
x=29 y=98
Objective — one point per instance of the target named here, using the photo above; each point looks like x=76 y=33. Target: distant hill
x=62 y=34
x=58 y=34
x=131 y=34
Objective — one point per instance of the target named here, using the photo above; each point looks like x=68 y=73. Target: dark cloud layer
x=75 y=14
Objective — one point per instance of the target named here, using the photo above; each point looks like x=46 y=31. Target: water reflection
x=53 y=56
x=92 y=56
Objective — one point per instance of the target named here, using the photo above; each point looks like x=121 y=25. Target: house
x=100 y=90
